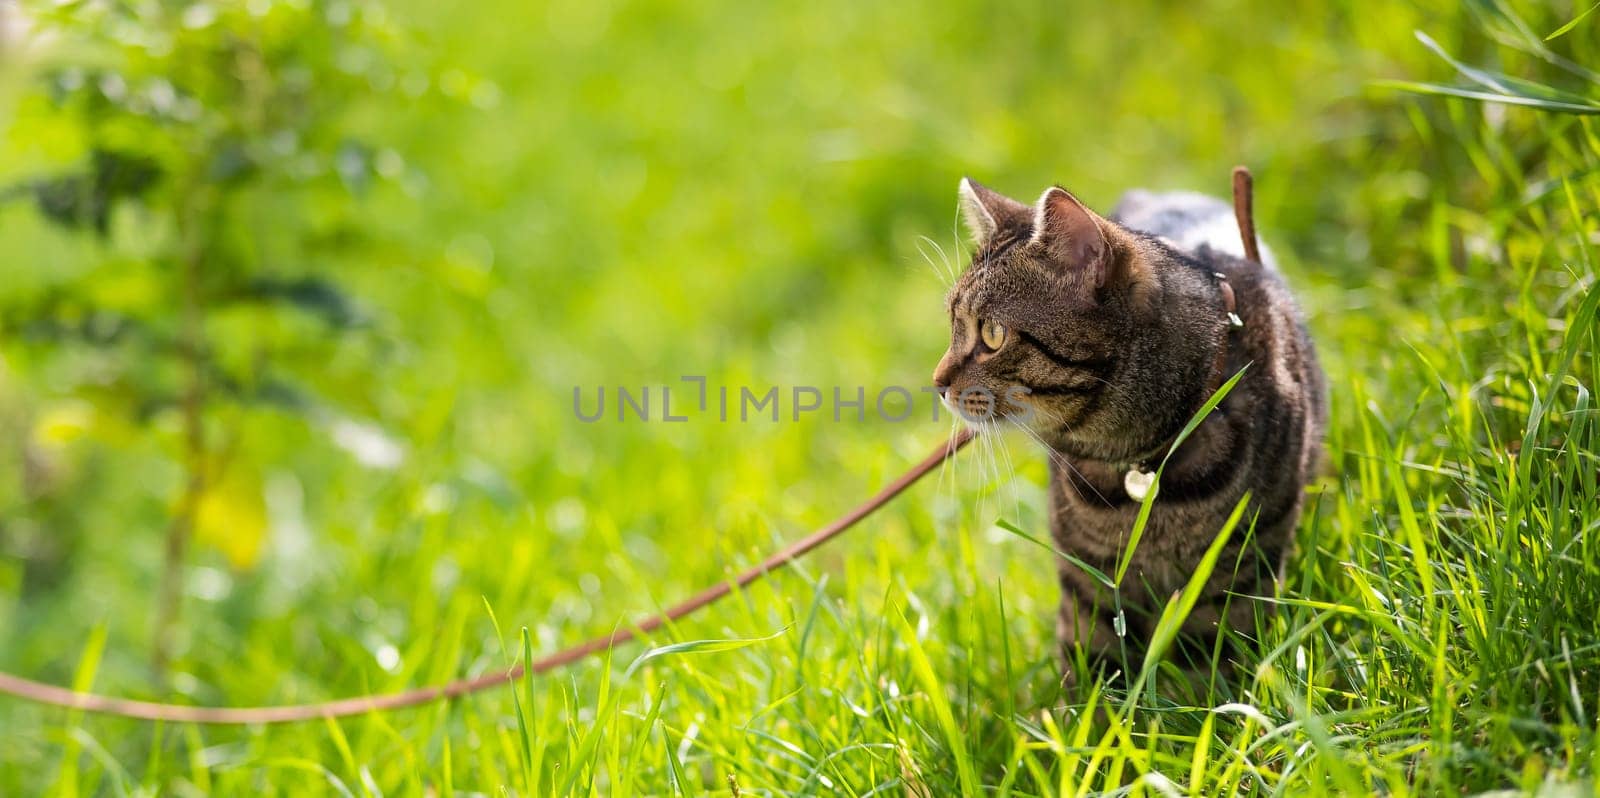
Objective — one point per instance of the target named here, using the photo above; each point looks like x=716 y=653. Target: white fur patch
x=1221 y=234
x=1187 y=220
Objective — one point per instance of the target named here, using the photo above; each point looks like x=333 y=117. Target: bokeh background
x=305 y=287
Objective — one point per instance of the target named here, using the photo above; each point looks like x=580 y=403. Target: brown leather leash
x=42 y=693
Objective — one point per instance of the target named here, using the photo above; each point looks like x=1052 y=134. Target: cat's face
x=1038 y=319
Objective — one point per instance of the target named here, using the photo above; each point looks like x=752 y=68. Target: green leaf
x=82 y=681
x=1099 y=576
x=84 y=199
x=317 y=296
x=1439 y=89
x=1573 y=23
x=697 y=647
x=681 y=784
x=1177 y=610
x=530 y=759
x=954 y=736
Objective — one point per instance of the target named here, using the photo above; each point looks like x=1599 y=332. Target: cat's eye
x=994 y=334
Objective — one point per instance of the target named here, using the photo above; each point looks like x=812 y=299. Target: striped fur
x=1118 y=354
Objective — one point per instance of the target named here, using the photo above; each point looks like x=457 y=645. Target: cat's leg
x=1219 y=630
x=1085 y=626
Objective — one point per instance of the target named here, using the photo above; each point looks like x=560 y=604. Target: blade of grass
x=1572 y=23
x=939 y=703
x=1440 y=89
x=82 y=681
x=698 y=647
x=1099 y=576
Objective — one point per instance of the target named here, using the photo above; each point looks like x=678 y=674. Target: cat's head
x=1046 y=322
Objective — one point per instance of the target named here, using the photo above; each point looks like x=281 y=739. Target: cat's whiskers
x=951 y=476
x=946 y=479
x=957 y=244
x=1004 y=475
x=985 y=469
x=945 y=269
x=1001 y=476
x=1055 y=456
x=988 y=468
x=1003 y=446
x=1100 y=379
x=996 y=478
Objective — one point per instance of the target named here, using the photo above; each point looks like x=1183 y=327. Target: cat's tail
x=1244 y=212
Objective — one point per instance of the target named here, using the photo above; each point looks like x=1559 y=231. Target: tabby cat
x=1104 y=337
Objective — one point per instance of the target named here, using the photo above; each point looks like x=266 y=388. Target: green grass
x=749 y=191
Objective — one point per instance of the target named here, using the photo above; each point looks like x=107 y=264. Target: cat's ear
x=986 y=212
x=1073 y=235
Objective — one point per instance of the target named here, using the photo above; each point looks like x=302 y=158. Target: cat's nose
x=942 y=373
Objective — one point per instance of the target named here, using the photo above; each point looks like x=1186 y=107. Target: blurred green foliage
x=204 y=159
x=400 y=236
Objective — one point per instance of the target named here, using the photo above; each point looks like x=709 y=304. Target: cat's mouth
x=981 y=406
